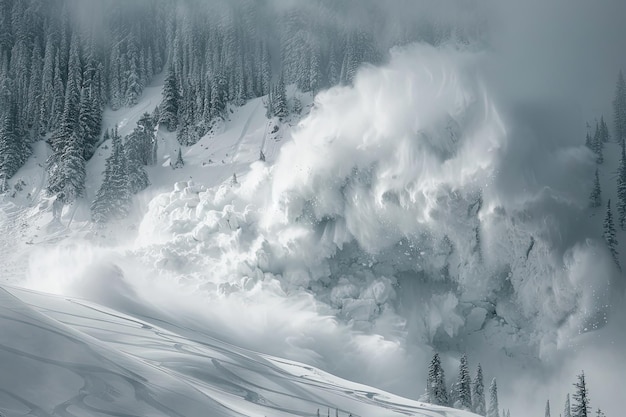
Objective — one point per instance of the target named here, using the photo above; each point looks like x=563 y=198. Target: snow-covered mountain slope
x=408 y=212
x=69 y=357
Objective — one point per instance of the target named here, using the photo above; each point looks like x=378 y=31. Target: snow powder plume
x=387 y=205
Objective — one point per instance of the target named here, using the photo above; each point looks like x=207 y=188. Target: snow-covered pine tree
x=478 y=393
x=621 y=191
x=598 y=145
x=233 y=180
x=13 y=149
x=170 y=103
x=113 y=199
x=441 y=392
x=73 y=172
x=581 y=406
x=609 y=234
x=493 y=410
x=297 y=105
x=135 y=159
x=134 y=86
x=279 y=104
x=595 y=198
x=599 y=413
x=436 y=390
x=464 y=386
x=619 y=110
x=604 y=131
x=567 y=410
x=547 y=413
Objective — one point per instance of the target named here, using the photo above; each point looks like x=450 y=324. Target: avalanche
x=388 y=193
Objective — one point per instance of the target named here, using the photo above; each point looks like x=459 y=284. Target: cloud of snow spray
x=397 y=217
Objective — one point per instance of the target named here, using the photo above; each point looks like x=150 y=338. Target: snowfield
x=71 y=357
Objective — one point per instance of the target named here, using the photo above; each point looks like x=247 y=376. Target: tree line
x=596 y=144
x=464 y=393
x=63 y=62
x=469 y=394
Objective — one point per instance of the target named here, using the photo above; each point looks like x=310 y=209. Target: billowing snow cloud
x=399 y=195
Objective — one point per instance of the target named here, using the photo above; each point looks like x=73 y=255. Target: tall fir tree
x=619 y=110
x=567 y=410
x=113 y=200
x=547 y=413
x=609 y=234
x=581 y=406
x=494 y=409
x=598 y=145
x=621 y=191
x=605 y=135
x=478 y=393
x=464 y=386
x=171 y=98
x=595 y=198
x=436 y=390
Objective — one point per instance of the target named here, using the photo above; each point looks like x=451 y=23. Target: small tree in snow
x=464 y=386
x=547 y=409
x=567 y=411
x=621 y=191
x=595 y=198
x=581 y=407
x=478 y=394
x=493 y=410
x=609 y=233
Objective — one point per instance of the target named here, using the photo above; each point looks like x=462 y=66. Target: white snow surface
x=70 y=357
x=408 y=212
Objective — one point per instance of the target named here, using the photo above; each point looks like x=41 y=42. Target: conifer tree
x=436 y=390
x=137 y=176
x=280 y=99
x=478 y=393
x=609 y=234
x=581 y=406
x=547 y=414
x=621 y=191
x=113 y=199
x=261 y=156
x=171 y=98
x=464 y=386
x=13 y=149
x=598 y=145
x=604 y=131
x=493 y=410
x=619 y=110
x=595 y=198
x=567 y=410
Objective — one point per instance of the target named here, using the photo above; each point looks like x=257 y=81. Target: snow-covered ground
x=390 y=220
x=69 y=357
